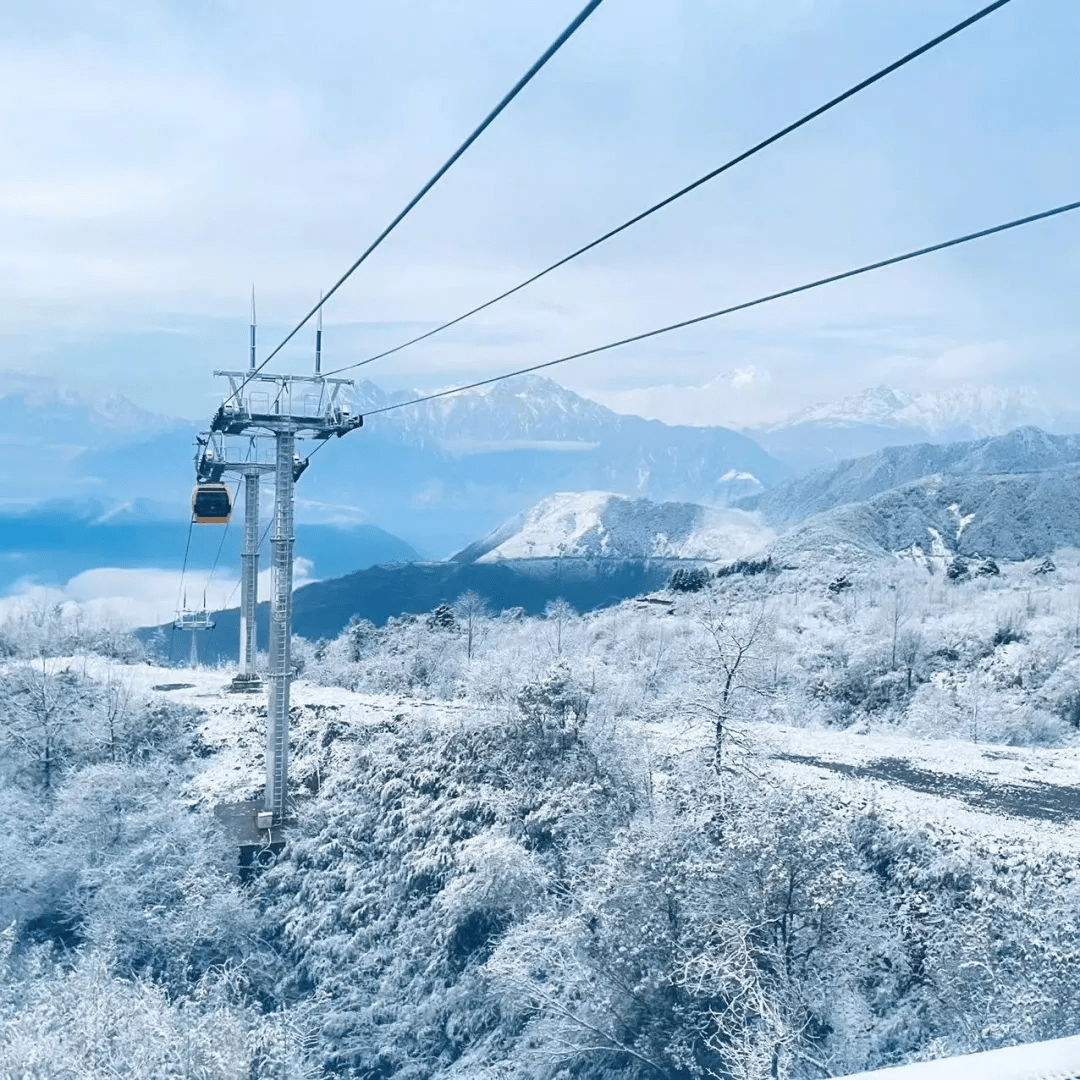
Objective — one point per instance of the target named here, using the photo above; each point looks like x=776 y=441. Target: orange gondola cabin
x=211 y=504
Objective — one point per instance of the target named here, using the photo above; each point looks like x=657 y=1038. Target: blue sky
x=159 y=157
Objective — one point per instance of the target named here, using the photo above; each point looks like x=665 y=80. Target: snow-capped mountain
x=882 y=416
x=34 y=407
x=939 y=518
x=1026 y=450
x=518 y=413
x=48 y=431
x=600 y=525
x=438 y=474
x=984 y=410
x=534 y=413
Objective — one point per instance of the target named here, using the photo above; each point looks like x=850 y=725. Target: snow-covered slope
x=882 y=417
x=1026 y=450
x=1007 y=516
x=600 y=525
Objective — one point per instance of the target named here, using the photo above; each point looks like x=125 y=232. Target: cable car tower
x=212 y=461
x=194 y=620
x=283 y=407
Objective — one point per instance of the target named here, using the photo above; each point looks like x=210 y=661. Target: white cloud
x=131 y=598
x=742 y=397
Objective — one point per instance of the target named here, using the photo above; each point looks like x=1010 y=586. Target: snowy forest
x=648 y=841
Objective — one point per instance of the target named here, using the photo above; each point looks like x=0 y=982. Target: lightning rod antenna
x=318 y=340
x=251 y=364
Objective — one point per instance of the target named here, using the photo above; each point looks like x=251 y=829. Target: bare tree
x=117 y=701
x=897 y=615
x=908 y=651
x=44 y=712
x=559 y=613
x=976 y=699
x=735 y=659
x=469 y=609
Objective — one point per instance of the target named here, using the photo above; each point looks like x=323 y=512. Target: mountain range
x=825 y=434
x=1025 y=450
x=487 y=463
x=1011 y=497
x=439 y=474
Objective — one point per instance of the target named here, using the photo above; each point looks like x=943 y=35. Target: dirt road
x=1037 y=799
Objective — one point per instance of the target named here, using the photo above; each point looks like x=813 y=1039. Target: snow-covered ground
x=229 y=763
x=978 y=793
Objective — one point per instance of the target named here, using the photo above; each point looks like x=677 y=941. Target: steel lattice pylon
x=282 y=406
x=193 y=620
x=212 y=461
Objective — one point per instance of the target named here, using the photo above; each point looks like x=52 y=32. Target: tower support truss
x=283 y=406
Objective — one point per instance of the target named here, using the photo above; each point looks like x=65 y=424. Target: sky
x=161 y=157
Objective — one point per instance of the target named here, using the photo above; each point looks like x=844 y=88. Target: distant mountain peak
x=965 y=411
x=103 y=409
x=882 y=416
x=602 y=525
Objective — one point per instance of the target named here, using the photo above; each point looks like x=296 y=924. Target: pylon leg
x=248 y=676
x=280 y=661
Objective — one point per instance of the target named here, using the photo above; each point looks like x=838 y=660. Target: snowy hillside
x=880 y=417
x=757 y=827
x=1009 y=497
x=600 y=525
x=1026 y=450
x=1012 y=517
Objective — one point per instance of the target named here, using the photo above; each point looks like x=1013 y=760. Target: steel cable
x=817 y=284
x=738 y=159
x=520 y=85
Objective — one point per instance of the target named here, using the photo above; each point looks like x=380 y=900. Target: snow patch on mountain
x=600 y=525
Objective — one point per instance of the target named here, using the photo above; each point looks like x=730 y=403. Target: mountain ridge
x=1025 y=450
x=878 y=417
x=602 y=525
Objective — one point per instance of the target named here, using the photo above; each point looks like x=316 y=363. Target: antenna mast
x=251 y=362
